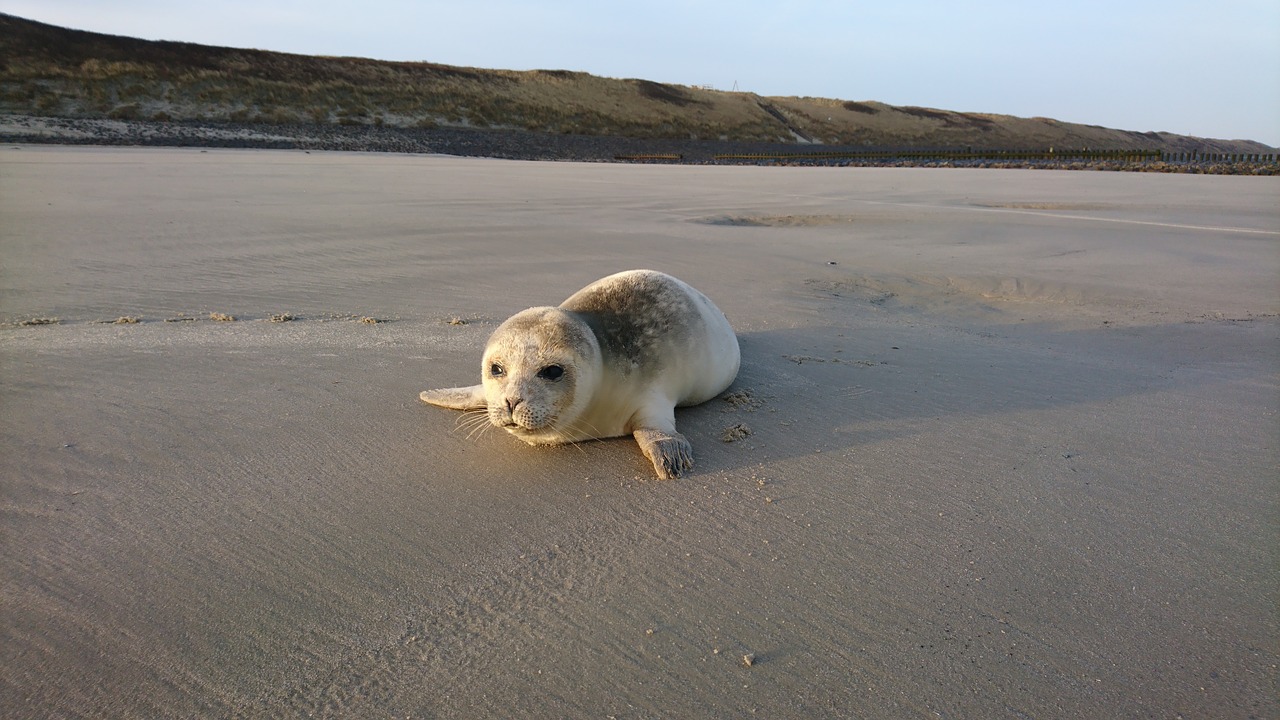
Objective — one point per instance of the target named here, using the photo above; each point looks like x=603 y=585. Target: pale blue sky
x=1199 y=68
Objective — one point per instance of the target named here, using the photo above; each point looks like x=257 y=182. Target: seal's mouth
x=516 y=428
x=531 y=435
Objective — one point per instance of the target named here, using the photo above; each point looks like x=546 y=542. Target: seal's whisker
x=479 y=429
x=576 y=427
x=474 y=422
x=470 y=429
x=470 y=415
x=576 y=445
x=471 y=422
x=473 y=415
x=581 y=425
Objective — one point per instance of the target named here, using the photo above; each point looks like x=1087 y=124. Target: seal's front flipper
x=459 y=398
x=669 y=452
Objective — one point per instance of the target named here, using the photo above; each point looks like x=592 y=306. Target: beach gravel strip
x=512 y=144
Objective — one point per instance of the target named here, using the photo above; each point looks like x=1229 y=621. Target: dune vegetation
x=56 y=72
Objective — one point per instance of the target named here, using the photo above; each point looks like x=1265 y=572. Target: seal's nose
x=512 y=403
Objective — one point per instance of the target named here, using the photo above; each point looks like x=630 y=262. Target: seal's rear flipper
x=460 y=398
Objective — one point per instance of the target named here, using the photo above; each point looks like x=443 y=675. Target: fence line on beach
x=650 y=157
x=1220 y=157
x=1121 y=155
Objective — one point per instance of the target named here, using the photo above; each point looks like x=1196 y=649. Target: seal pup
x=614 y=359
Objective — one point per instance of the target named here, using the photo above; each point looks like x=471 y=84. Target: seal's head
x=539 y=371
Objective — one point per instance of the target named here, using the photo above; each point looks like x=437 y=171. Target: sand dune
x=1011 y=454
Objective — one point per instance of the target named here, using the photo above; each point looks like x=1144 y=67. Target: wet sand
x=1013 y=443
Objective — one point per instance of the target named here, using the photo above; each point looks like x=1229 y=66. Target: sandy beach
x=1013 y=443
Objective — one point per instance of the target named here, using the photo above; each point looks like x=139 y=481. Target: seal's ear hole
x=551 y=372
x=497 y=370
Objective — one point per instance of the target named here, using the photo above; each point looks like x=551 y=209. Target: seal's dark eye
x=497 y=370
x=551 y=372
